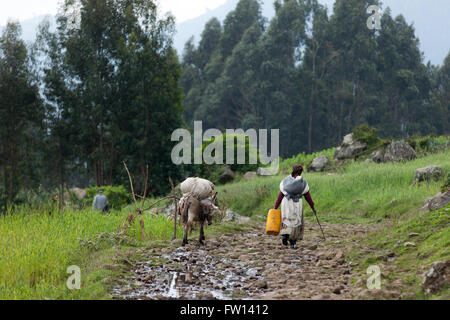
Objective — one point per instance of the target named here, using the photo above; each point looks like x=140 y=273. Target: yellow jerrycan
x=273 y=225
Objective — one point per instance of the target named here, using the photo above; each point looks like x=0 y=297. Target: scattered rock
x=231 y=216
x=147 y=278
x=390 y=254
x=377 y=156
x=263 y=172
x=413 y=234
x=261 y=284
x=318 y=164
x=427 y=174
x=227 y=175
x=205 y=296
x=436 y=277
x=339 y=255
x=409 y=244
x=245 y=258
x=338 y=290
x=349 y=148
x=437 y=202
x=250 y=175
x=399 y=151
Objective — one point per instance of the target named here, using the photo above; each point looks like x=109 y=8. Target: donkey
x=193 y=210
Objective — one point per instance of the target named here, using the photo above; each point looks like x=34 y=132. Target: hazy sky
x=26 y=9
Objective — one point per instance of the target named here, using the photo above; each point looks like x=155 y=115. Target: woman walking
x=292 y=189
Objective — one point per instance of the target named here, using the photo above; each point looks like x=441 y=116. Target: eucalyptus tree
x=118 y=76
x=20 y=109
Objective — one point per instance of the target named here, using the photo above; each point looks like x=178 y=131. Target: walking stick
x=315 y=213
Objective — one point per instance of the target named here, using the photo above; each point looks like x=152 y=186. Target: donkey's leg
x=185 y=240
x=202 y=234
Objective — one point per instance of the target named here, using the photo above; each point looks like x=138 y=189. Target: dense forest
x=313 y=75
x=108 y=87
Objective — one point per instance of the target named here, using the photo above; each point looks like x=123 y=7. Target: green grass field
x=382 y=190
x=36 y=249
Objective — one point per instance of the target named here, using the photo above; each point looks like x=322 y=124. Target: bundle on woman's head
x=297 y=170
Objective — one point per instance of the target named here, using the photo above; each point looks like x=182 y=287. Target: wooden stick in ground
x=131 y=184
x=154 y=203
x=145 y=190
x=176 y=209
x=323 y=234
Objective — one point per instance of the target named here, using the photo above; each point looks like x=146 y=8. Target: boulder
x=318 y=164
x=231 y=216
x=399 y=151
x=349 y=148
x=80 y=193
x=427 y=174
x=437 y=202
x=263 y=172
x=436 y=277
x=227 y=175
x=168 y=210
x=250 y=175
x=378 y=156
x=409 y=244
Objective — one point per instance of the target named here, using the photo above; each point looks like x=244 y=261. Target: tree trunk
x=11 y=176
x=61 y=191
x=310 y=128
x=341 y=116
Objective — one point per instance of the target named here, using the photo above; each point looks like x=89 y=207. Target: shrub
x=118 y=196
x=367 y=134
x=429 y=143
x=3 y=199
x=238 y=146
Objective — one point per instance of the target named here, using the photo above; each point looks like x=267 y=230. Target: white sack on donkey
x=197 y=187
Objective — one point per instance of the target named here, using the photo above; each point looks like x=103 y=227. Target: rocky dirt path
x=252 y=265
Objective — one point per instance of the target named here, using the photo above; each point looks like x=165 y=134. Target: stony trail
x=252 y=265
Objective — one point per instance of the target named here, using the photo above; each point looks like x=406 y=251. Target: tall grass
x=383 y=190
x=36 y=249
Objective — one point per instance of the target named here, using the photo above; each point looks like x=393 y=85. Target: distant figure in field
x=100 y=202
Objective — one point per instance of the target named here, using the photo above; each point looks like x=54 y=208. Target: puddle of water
x=173 y=292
